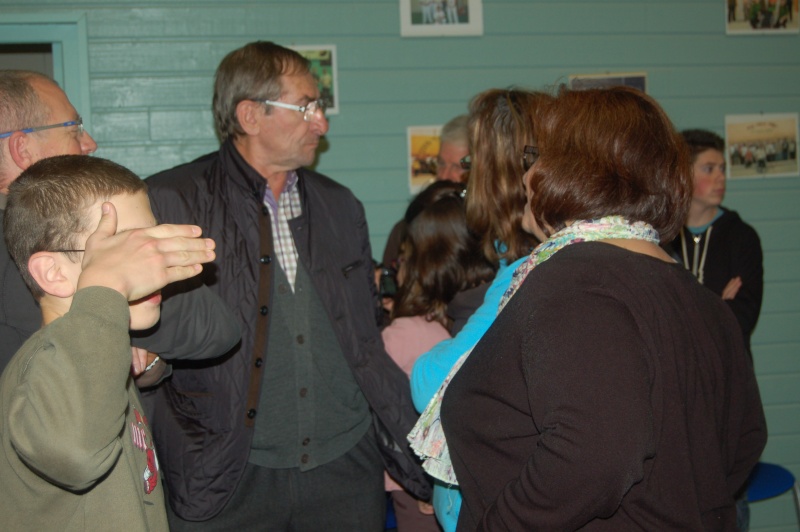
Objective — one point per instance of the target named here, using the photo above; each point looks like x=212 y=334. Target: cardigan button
x=265 y=259
x=251 y=413
x=306 y=441
x=259 y=362
x=264 y=310
x=265 y=210
x=304 y=459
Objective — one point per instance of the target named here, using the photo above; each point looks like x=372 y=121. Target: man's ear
x=247 y=113
x=19 y=147
x=47 y=269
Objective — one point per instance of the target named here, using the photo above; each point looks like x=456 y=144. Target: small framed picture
x=441 y=18
x=636 y=80
x=761 y=145
x=423 y=149
x=760 y=17
x=323 y=68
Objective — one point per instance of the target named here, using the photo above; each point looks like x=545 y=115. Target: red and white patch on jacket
x=139 y=438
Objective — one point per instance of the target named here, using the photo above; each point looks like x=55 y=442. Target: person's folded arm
x=749 y=266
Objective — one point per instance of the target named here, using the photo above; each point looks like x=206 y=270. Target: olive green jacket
x=77 y=453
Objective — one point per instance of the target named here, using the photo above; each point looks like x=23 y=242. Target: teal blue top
x=431 y=368
x=699 y=230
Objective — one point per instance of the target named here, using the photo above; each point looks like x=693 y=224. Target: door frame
x=66 y=32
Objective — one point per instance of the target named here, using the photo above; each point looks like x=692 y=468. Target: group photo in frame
x=636 y=80
x=423 y=150
x=323 y=67
x=762 y=145
x=758 y=17
x=441 y=18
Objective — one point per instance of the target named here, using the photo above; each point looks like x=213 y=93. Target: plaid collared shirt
x=286 y=208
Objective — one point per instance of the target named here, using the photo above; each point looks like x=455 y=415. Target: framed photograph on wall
x=441 y=18
x=760 y=17
x=423 y=149
x=636 y=80
x=323 y=68
x=762 y=145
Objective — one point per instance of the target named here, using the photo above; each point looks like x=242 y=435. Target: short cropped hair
x=252 y=72
x=20 y=105
x=48 y=205
x=501 y=123
x=700 y=140
x=455 y=131
x=441 y=257
x=610 y=152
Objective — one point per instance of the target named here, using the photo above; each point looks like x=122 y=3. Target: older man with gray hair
x=294 y=429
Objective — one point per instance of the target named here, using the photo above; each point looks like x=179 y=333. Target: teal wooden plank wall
x=152 y=62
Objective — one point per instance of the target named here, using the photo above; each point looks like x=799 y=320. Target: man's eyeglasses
x=529 y=156
x=78 y=122
x=308 y=110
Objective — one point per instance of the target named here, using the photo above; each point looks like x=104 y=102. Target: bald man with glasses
x=36 y=121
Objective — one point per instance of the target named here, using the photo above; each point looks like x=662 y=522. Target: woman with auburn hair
x=501 y=123
x=613 y=392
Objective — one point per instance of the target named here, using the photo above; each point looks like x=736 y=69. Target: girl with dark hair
x=439 y=259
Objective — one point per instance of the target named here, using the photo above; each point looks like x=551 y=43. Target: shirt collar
x=251 y=178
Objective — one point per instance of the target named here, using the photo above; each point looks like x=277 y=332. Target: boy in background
x=77 y=453
x=715 y=244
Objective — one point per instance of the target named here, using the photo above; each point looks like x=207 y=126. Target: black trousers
x=345 y=495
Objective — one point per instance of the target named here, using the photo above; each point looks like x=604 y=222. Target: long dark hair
x=440 y=256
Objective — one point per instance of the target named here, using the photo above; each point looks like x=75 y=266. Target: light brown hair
x=501 y=123
x=47 y=205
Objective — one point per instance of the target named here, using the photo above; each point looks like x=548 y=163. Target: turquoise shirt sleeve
x=431 y=368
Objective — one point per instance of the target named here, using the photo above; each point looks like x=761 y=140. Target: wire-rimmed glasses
x=529 y=156
x=78 y=122
x=308 y=110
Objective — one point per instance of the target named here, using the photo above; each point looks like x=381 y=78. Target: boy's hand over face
x=138 y=262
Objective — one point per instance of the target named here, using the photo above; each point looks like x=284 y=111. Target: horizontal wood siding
x=152 y=64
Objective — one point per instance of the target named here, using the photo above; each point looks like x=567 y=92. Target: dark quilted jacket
x=203 y=417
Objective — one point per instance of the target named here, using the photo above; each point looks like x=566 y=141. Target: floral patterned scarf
x=427 y=437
